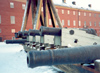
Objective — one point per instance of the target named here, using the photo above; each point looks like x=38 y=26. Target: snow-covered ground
x=13 y=60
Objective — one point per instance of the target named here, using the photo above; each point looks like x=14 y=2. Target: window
x=73 y=12
x=79 y=13
x=13 y=30
x=12 y=19
x=94 y=23
x=63 y=22
x=11 y=5
x=68 y=22
x=57 y=10
x=56 y=23
x=62 y=11
x=84 y=23
x=94 y=15
x=90 y=24
x=99 y=15
x=74 y=23
x=68 y=12
x=89 y=14
x=79 y=23
x=42 y=9
x=23 y=6
x=0 y=30
x=0 y=19
x=99 y=23
x=49 y=21
x=84 y=14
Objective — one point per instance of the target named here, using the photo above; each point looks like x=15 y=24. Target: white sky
x=82 y=3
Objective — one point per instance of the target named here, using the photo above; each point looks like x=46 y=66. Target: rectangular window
x=42 y=9
x=56 y=23
x=68 y=12
x=84 y=23
x=94 y=23
x=11 y=5
x=99 y=23
x=73 y=12
x=63 y=22
x=89 y=14
x=79 y=23
x=62 y=11
x=74 y=23
x=12 y=19
x=0 y=19
x=90 y=24
x=84 y=14
x=79 y=13
x=99 y=15
x=57 y=10
x=13 y=30
x=0 y=30
x=94 y=15
x=23 y=6
x=68 y=22
x=49 y=21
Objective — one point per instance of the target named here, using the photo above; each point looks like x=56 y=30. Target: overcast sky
x=83 y=3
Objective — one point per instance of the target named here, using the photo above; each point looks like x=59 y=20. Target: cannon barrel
x=76 y=55
x=50 y=31
x=16 y=41
x=33 y=32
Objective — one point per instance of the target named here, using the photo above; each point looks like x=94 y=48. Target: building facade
x=12 y=11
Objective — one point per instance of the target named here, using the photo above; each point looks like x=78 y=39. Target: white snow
x=13 y=60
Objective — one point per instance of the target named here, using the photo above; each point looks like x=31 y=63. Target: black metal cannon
x=33 y=32
x=76 y=55
x=50 y=31
x=22 y=41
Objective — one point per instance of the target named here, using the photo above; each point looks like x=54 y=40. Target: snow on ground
x=13 y=60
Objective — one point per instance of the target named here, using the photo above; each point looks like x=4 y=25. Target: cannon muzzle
x=16 y=41
x=76 y=55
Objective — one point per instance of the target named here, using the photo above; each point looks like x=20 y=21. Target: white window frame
x=0 y=30
x=73 y=12
x=63 y=22
x=79 y=23
x=68 y=22
x=42 y=9
x=13 y=31
x=57 y=10
x=84 y=13
x=23 y=6
x=84 y=23
x=74 y=23
x=68 y=12
x=56 y=23
x=0 y=19
x=99 y=23
x=12 y=18
x=94 y=23
x=50 y=22
x=11 y=5
x=79 y=13
x=62 y=11
x=89 y=14
x=90 y=23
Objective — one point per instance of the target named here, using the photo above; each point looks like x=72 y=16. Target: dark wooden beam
x=33 y=6
x=26 y=13
x=41 y=19
x=55 y=13
x=38 y=12
x=45 y=12
x=52 y=16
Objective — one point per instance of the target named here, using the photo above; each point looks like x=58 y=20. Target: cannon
x=75 y=55
x=22 y=41
x=50 y=31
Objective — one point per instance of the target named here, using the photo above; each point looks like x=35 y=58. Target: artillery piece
x=84 y=41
